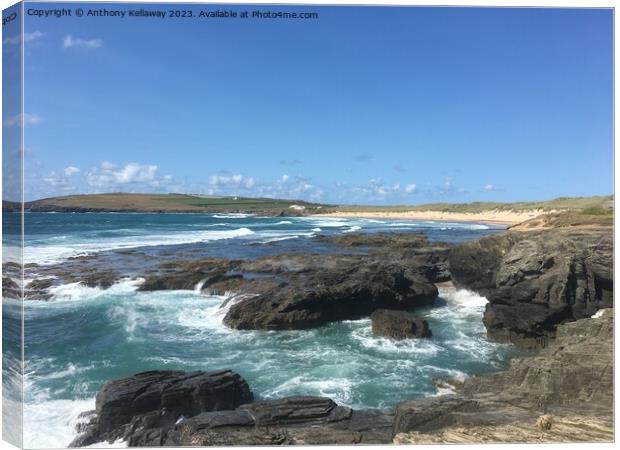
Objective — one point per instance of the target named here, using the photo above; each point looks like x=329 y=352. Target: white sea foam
x=463 y=297
x=352 y=229
x=49 y=254
x=412 y=346
x=338 y=389
x=232 y=216
x=206 y=313
x=51 y=423
x=333 y=223
x=79 y=291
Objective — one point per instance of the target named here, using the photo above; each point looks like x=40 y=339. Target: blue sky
x=362 y=105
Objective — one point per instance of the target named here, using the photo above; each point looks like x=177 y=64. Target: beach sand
x=491 y=216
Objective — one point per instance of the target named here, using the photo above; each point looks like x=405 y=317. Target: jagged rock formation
x=399 y=325
x=296 y=291
x=149 y=402
x=536 y=280
x=315 y=289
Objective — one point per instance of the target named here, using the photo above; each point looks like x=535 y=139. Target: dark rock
x=10 y=289
x=399 y=325
x=287 y=421
x=536 y=280
x=317 y=289
x=152 y=400
x=188 y=274
x=394 y=240
x=412 y=250
x=293 y=410
x=40 y=284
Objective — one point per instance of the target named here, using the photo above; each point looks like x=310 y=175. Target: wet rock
x=10 y=288
x=394 y=240
x=537 y=280
x=189 y=274
x=399 y=325
x=40 y=284
x=317 y=289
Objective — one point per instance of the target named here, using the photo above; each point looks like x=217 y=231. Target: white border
x=483 y=3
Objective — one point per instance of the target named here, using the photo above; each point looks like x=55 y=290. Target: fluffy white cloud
x=410 y=188
x=71 y=170
x=109 y=175
x=29 y=119
x=70 y=41
x=488 y=187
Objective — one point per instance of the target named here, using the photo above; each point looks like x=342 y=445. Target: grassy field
x=169 y=203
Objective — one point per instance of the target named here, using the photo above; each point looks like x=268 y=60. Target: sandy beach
x=492 y=216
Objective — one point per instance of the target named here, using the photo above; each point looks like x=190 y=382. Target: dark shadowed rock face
x=157 y=399
x=399 y=325
x=316 y=289
x=536 y=280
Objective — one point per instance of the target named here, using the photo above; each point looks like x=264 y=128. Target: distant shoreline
x=492 y=216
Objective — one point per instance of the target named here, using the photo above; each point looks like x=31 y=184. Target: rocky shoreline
x=543 y=288
x=167 y=408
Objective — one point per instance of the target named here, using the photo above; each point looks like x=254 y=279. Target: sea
x=83 y=336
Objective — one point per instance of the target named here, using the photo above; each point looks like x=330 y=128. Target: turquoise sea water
x=84 y=336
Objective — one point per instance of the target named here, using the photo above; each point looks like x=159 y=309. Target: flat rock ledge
x=399 y=325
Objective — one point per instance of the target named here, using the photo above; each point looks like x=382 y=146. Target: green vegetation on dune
x=596 y=205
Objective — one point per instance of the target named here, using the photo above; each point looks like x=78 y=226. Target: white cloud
x=27 y=37
x=410 y=188
x=69 y=42
x=109 y=175
x=71 y=170
x=225 y=181
x=488 y=187
x=29 y=119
